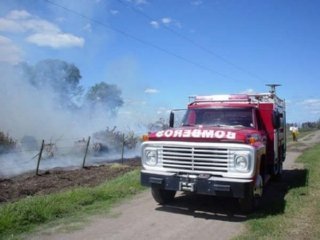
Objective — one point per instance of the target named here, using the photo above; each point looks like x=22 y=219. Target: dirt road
x=189 y=217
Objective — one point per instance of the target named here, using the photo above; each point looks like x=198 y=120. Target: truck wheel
x=162 y=196
x=247 y=204
x=277 y=174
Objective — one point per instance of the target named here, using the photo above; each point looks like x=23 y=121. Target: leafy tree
x=59 y=76
x=105 y=95
x=311 y=125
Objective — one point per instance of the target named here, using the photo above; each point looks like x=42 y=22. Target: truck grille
x=194 y=159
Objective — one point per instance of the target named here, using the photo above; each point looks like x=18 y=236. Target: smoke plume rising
x=36 y=110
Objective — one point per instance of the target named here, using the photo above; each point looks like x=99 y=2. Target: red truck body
x=225 y=145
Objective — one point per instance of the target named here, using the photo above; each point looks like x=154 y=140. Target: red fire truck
x=225 y=145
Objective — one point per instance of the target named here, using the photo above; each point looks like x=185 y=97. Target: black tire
x=277 y=175
x=249 y=203
x=162 y=196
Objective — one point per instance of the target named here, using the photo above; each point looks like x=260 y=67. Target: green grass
x=297 y=215
x=25 y=215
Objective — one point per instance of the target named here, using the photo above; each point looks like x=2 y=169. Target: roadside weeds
x=27 y=214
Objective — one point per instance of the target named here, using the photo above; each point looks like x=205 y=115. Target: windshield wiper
x=221 y=125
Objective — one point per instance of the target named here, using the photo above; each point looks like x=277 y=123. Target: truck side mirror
x=171 y=119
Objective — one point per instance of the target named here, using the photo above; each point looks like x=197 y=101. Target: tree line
x=64 y=80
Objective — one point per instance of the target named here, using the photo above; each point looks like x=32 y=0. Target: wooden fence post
x=122 y=152
x=39 y=157
x=86 y=152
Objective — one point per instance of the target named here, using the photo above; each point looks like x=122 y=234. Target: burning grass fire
x=108 y=145
x=55 y=120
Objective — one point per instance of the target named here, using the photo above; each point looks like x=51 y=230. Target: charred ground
x=57 y=180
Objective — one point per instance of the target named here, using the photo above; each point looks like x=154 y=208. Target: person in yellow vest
x=294 y=132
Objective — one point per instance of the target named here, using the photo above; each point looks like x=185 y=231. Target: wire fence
x=31 y=155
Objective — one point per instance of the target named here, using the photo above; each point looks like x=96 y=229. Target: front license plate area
x=187 y=186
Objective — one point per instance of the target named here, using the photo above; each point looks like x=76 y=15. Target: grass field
x=25 y=215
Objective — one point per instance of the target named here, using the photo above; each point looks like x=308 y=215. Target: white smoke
x=26 y=110
x=29 y=111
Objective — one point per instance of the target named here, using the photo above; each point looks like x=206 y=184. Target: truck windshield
x=233 y=117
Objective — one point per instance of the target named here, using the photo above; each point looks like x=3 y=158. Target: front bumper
x=200 y=184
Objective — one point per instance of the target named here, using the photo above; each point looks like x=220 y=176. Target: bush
x=114 y=139
x=6 y=143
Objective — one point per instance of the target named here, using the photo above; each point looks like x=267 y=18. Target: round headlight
x=151 y=157
x=241 y=163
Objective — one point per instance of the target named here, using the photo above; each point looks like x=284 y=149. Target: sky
x=160 y=52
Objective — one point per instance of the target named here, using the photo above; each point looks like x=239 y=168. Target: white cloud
x=249 y=91
x=114 y=12
x=131 y=102
x=304 y=110
x=40 y=31
x=24 y=22
x=163 y=111
x=312 y=105
x=9 y=52
x=88 y=27
x=167 y=21
x=138 y=2
x=196 y=2
x=55 y=40
x=312 y=102
x=9 y=25
x=60 y=20
x=18 y=14
x=155 y=24
x=151 y=90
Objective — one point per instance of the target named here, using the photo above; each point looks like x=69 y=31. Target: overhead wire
x=137 y=39
x=191 y=41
